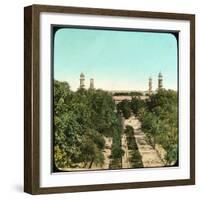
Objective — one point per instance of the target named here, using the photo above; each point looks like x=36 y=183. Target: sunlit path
x=107 y=152
x=150 y=157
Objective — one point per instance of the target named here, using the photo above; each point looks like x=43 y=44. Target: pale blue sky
x=117 y=60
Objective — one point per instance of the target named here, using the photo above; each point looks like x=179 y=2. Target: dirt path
x=125 y=158
x=107 y=152
x=150 y=157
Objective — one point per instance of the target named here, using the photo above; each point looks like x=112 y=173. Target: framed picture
x=109 y=99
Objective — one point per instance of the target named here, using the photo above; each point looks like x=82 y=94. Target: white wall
x=11 y=100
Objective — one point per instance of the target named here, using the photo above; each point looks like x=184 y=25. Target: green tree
x=124 y=108
x=81 y=121
x=160 y=122
x=137 y=104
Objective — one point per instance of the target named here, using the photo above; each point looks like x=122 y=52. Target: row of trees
x=116 y=150
x=159 y=117
x=135 y=159
x=126 y=108
x=159 y=120
x=81 y=120
x=128 y=93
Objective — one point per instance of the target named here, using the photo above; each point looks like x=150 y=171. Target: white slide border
x=48 y=179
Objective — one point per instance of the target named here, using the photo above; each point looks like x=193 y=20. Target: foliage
x=136 y=159
x=159 y=120
x=124 y=108
x=116 y=150
x=137 y=104
x=81 y=120
x=129 y=131
x=128 y=93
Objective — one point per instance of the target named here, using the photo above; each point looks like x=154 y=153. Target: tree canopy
x=81 y=120
x=159 y=120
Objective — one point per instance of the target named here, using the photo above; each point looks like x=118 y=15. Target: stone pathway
x=150 y=157
x=125 y=158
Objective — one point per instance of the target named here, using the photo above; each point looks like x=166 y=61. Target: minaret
x=160 y=81
x=91 y=83
x=150 y=86
x=82 y=80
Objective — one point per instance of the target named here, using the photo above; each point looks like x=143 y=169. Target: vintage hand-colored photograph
x=115 y=99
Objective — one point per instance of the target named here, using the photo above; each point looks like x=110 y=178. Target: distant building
x=160 y=81
x=120 y=95
x=120 y=98
x=82 y=81
x=91 y=83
